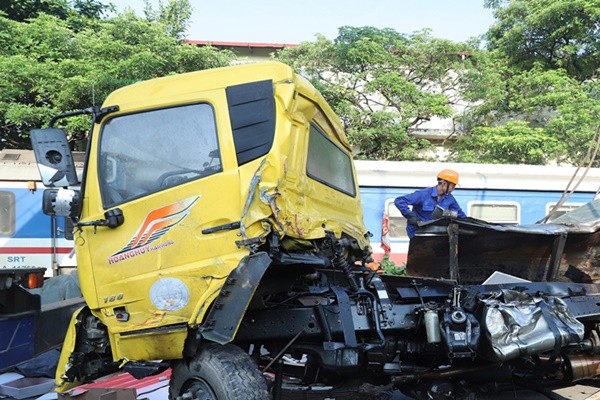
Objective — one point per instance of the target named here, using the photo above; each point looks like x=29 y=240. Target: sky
x=294 y=22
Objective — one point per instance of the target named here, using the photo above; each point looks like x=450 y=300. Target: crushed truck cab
x=192 y=182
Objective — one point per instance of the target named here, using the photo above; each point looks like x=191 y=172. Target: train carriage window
x=328 y=164
x=7 y=213
x=396 y=221
x=563 y=209
x=505 y=212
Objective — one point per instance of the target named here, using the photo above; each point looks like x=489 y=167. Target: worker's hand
x=450 y=214
x=413 y=219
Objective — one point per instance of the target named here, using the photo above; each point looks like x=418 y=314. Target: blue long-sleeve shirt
x=423 y=204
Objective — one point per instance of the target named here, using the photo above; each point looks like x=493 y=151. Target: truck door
x=164 y=170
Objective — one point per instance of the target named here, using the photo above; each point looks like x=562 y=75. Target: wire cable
x=591 y=157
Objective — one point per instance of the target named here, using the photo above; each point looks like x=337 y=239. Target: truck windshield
x=150 y=151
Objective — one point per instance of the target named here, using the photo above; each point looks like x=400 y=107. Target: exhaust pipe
x=578 y=367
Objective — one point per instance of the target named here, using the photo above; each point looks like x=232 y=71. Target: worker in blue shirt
x=425 y=201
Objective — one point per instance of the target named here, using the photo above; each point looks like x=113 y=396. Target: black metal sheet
x=524 y=251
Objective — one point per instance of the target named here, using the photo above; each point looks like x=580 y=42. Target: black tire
x=218 y=372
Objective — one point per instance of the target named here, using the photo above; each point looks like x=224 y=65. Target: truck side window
x=328 y=164
x=147 y=152
x=7 y=213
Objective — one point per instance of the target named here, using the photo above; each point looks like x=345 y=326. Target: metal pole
x=453 y=251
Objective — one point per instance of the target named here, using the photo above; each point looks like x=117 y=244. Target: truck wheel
x=218 y=372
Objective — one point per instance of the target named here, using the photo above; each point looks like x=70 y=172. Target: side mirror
x=61 y=202
x=54 y=158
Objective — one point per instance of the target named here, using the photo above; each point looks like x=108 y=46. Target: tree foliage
x=530 y=97
x=518 y=111
x=383 y=84
x=514 y=143
x=536 y=87
x=551 y=34
x=174 y=16
x=48 y=67
x=24 y=10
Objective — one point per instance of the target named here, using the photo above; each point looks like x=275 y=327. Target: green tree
x=535 y=96
x=531 y=96
x=22 y=10
x=577 y=126
x=92 y=8
x=383 y=84
x=506 y=123
x=551 y=34
x=513 y=143
x=528 y=117
x=174 y=16
x=47 y=67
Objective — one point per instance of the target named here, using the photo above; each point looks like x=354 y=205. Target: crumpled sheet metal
x=481 y=251
x=582 y=219
x=297 y=207
x=525 y=251
x=472 y=225
x=521 y=325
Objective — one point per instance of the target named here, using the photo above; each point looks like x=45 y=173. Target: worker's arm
x=403 y=203
x=455 y=207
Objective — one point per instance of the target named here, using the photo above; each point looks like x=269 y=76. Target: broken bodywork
x=219 y=228
x=565 y=250
x=412 y=333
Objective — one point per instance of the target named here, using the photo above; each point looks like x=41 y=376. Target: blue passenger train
x=28 y=238
x=511 y=194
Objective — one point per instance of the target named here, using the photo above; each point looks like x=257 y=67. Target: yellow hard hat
x=449 y=175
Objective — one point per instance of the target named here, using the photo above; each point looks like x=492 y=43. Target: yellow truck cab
x=195 y=187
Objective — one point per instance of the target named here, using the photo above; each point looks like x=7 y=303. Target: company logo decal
x=156 y=224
